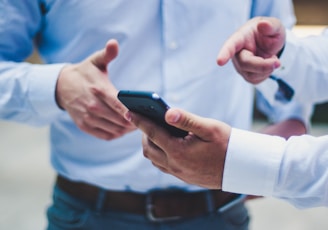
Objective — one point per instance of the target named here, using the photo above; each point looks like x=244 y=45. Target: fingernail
x=175 y=117
x=127 y=116
x=276 y=65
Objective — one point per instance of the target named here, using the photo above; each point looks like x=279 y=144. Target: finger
x=248 y=62
x=106 y=55
x=112 y=126
x=110 y=107
x=270 y=27
x=154 y=132
x=232 y=46
x=250 y=74
x=99 y=133
x=272 y=35
x=153 y=152
x=254 y=78
x=199 y=126
x=163 y=169
x=152 y=144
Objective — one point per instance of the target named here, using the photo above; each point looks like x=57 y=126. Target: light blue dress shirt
x=169 y=47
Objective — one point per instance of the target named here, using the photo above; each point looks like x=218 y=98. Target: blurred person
x=216 y=156
x=103 y=179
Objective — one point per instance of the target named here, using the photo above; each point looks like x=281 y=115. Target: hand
x=86 y=93
x=197 y=158
x=253 y=48
x=286 y=128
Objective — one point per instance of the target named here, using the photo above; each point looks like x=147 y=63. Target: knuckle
x=87 y=118
x=187 y=122
x=109 y=137
x=161 y=168
x=265 y=69
x=145 y=153
x=117 y=105
x=82 y=125
x=92 y=106
x=175 y=170
x=151 y=133
x=247 y=76
x=252 y=78
x=120 y=132
x=145 y=147
x=97 y=90
x=116 y=132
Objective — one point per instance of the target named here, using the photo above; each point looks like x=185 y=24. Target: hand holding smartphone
x=151 y=105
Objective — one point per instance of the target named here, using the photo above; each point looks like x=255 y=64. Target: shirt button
x=173 y=45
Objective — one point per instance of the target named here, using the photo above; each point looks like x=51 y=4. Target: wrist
x=59 y=86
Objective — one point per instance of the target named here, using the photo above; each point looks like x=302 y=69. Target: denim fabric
x=66 y=212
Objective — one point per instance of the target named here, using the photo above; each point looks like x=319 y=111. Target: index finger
x=232 y=46
x=114 y=109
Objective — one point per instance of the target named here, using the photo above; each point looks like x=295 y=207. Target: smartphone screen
x=151 y=105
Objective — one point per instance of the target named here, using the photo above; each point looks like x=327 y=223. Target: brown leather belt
x=159 y=205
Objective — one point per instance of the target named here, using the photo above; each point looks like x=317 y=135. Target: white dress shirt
x=296 y=169
x=304 y=67
x=169 y=47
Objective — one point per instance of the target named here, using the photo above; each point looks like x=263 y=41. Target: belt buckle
x=150 y=209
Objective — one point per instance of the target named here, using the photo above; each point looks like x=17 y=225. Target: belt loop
x=209 y=201
x=100 y=199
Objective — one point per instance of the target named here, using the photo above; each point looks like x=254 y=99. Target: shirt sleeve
x=277 y=111
x=304 y=67
x=252 y=163
x=27 y=92
x=294 y=170
x=303 y=176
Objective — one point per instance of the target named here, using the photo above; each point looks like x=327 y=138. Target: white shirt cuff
x=42 y=88
x=252 y=163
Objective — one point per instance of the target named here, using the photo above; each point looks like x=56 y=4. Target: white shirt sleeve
x=304 y=67
x=252 y=162
x=294 y=170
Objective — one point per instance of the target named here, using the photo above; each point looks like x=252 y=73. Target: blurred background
x=26 y=176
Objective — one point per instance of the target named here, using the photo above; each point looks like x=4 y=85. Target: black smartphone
x=151 y=105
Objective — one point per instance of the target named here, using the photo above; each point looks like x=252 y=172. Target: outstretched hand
x=86 y=93
x=197 y=158
x=254 y=48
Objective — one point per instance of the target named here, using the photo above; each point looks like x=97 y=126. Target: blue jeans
x=66 y=212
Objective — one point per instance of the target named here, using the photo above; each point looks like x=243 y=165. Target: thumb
x=199 y=126
x=272 y=34
x=270 y=27
x=103 y=57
